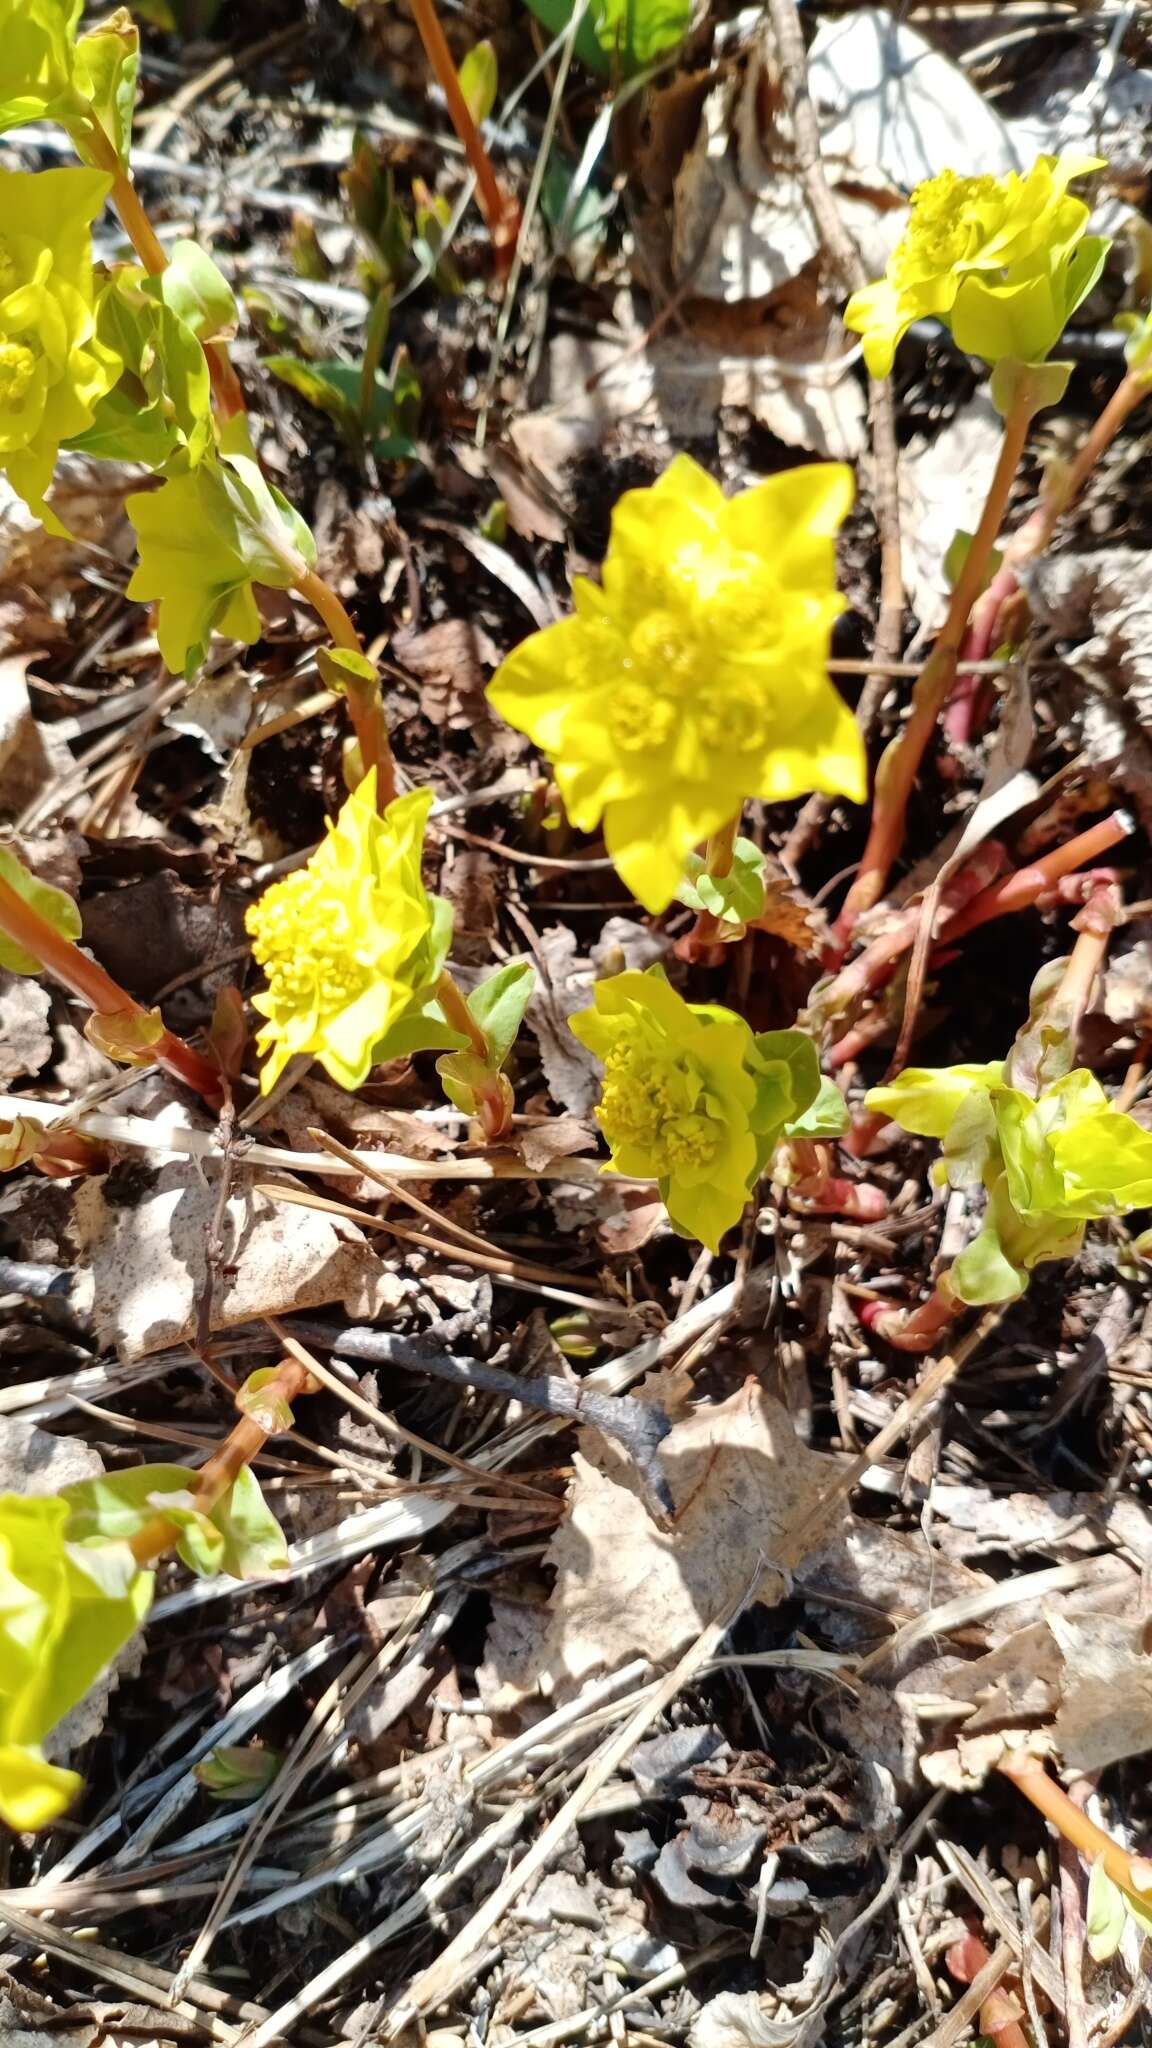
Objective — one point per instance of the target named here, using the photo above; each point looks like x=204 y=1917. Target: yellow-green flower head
x=37 y=39
x=1002 y=261
x=696 y=676
x=343 y=941
x=52 y=368
x=680 y=1100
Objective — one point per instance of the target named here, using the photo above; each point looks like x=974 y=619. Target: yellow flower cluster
x=52 y=367
x=697 y=675
x=1003 y=262
x=692 y=1098
x=347 y=941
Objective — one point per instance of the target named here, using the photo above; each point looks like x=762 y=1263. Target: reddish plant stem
x=105 y=997
x=501 y=214
x=1000 y=2011
x=900 y=762
x=243 y=1443
x=1132 y=1873
x=814 y=1187
x=1032 y=539
x=1024 y=886
x=914 y=1329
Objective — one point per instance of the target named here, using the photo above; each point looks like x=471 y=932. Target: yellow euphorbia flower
x=347 y=941
x=52 y=367
x=1003 y=262
x=692 y=1098
x=696 y=676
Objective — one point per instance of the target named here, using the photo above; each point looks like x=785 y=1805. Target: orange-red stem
x=500 y=212
x=243 y=1443
x=900 y=763
x=1022 y=888
x=105 y=997
x=1132 y=1873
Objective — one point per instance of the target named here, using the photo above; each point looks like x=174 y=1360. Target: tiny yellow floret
x=52 y=367
x=1003 y=262
x=696 y=675
x=343 y=941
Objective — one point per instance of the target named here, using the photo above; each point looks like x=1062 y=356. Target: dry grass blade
x=436 y=1983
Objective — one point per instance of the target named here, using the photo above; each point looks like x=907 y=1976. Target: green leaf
x=984 y=1274
x=116 y=1506
x=206 y=539
x=499 y=1003
x=56 y=908
x=619 y=37
x=334 y=388
x=1035 y=385
x=735 y=898
x=160 y=412
x=422 y=1026
x=254 y=1545
x=238 y=1770
x=825 y=1117
x=194 y=289
x=1106 y=1915
x=479 y=77
x=346 y=670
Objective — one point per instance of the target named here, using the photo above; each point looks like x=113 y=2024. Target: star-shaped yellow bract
x=1003 y=262
x=52 y=367
x=697 y=675
x=345 y=941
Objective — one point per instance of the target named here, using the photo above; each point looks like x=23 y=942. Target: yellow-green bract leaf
x=51 y=904
x=197 y=293
x=924 y=1100
x=350 y=941
x=33 y=1791
x=688 y=1099
x=116 y=1506
x=620 y=36
x=344 y=669
x=254 y=1543
x=696 y=672
x=37 y=39
x=107 y=61
x=160 y=413
x=735 y=898
x=65 y=1611
x=1106 y=1914
x=206 y=539
x=1105 y=1162
x=479 y=76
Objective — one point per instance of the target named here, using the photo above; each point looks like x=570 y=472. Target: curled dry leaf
x=1100 y=606
x=740 y=1479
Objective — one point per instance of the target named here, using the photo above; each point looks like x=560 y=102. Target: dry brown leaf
x=140 y=1240
x=1106 y=1710
x=557 y=1138
x=1100 y=604
x=451 y=661
x=789 y=913
x=740 y=1478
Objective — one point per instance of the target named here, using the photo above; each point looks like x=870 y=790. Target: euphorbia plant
x=1038 y=1134
x=1004 y=263
x=695 y=675
x=76 y=1583
x=696 y=1100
